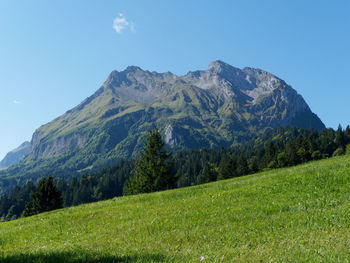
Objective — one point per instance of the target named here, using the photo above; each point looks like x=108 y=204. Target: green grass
x=298 y=214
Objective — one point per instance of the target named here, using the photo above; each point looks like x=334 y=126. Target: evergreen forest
x=276 y=148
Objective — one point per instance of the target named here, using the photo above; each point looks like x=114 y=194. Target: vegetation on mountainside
x=276 y=148
x=46 y=198
x=297 y=214
x=153 y=170
x=219 y=107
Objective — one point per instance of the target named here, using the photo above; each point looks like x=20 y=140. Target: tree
x=340 y=139
x=11 y=214
x=227 y=167
x=253 y=164
x=347 y=151
x=270 y=152
x=242 y=166
x=347 y=134
x=46 y=198
x=153 y=171
x=291 y=152
x=282 y=159
x=302 y=154
x=206 y=175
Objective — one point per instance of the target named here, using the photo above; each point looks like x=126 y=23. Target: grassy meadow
x=297 y=214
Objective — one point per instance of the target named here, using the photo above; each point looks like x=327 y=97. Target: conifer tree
x=242 y=166
x=153 y=170
x=46 y=198
x=340 y=138
x=270 y=152
x=227 y=167
x=206 y=175
x=253 y=164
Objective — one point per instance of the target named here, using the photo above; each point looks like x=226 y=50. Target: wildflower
x=201 y=258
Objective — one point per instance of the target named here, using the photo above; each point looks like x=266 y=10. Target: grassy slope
x=298 y=214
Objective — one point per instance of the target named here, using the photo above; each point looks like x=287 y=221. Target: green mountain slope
x=298 y=214
x=216 y=107
x=220 y=106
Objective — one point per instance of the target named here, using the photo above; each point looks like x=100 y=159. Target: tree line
x=275 y=148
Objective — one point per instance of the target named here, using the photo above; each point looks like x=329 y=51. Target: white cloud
x=120 y=23
x=16 y=102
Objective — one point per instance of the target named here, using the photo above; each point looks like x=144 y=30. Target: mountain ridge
x=15 y=156
x=220 y=106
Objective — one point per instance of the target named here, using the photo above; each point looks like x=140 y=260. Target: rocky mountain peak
x=133 y=69
x=193 y=110
x=224 y=70
x=122 y=78
x=219 y=65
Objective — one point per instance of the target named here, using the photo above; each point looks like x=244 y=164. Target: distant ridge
x=15 y=156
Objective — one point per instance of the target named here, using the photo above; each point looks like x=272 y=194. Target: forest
x=275 y=148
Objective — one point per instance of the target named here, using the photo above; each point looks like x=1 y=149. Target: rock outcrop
x=220 y=106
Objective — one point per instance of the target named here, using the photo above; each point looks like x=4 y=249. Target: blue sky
x=54 y=54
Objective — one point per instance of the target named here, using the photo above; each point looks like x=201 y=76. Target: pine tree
x=227 y=167
x=206 y=175
x=46 y=198
x=270 y=155
x=340 y=139
x=153 y=170
x=253 y=164
x=242 y=166
x=291 y=152
x=347 y=134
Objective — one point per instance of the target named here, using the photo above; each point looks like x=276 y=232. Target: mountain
x=220 y=106
x=15 y=156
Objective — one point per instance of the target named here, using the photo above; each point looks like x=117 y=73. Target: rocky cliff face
x=60 y=145
x=15 y=156
x=220 y=106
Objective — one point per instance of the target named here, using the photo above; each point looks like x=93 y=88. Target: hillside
x=298 y=214
x=218 y=107
x=15 y=156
